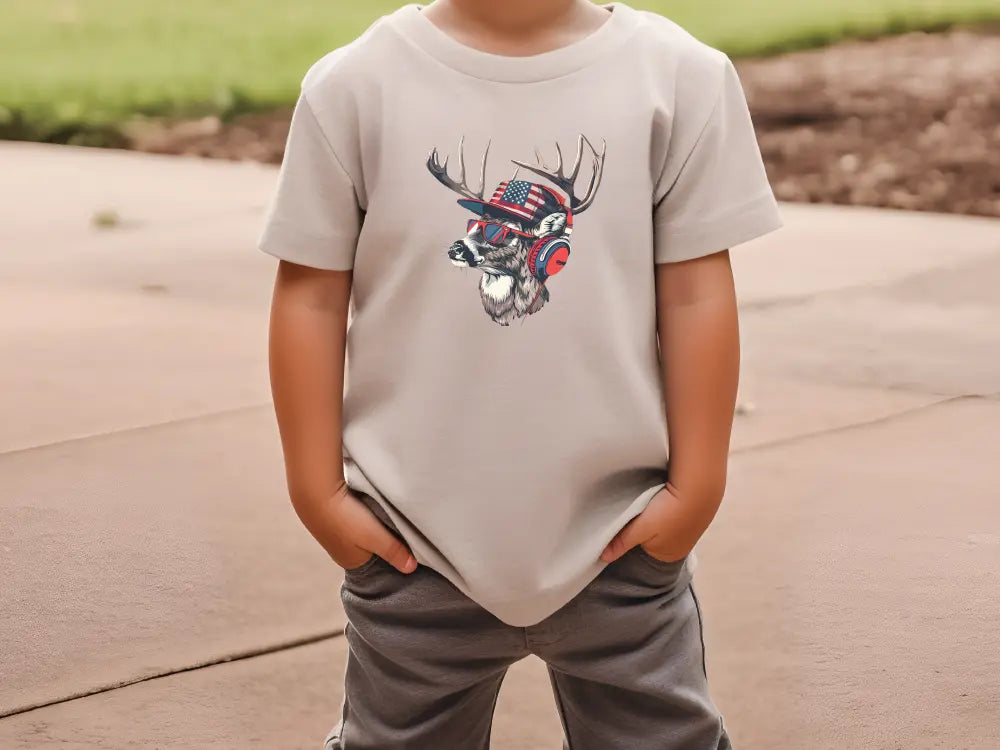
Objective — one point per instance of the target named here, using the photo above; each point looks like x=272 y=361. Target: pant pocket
x=364 y=567
x=651 y=572
x=657 y=562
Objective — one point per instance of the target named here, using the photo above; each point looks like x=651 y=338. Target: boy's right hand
x=360 y=534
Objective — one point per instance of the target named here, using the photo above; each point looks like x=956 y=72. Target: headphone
x=549 y=254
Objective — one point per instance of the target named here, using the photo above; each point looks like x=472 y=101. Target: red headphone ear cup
x=557 y=258
x=547 y=257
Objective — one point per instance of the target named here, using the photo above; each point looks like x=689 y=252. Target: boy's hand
x=359 y=534
x=668 y=528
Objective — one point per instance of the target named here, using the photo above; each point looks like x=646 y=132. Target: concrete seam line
x=239 y=656
x=137 y=428
x=859 y=425
x=788 y=300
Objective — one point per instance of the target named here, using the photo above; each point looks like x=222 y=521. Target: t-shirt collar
x=412 y=24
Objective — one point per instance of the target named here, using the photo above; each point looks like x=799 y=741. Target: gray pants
x=425 y=662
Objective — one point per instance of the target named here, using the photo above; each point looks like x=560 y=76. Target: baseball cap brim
x=481 y=207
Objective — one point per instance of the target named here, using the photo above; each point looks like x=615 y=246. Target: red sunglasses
x=495 y=234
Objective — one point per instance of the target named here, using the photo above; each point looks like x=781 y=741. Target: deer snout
x=463 y=255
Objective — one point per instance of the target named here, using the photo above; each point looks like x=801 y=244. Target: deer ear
x=552 y=224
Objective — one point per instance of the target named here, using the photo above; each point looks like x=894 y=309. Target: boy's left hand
x=668 y=528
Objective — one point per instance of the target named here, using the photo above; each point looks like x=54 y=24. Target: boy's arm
x=307 y=342
x=698 y=329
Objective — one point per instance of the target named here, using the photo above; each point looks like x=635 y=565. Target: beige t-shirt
x=502 y=217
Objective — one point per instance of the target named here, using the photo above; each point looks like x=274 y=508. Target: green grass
x=73 y=69
x=755 y=27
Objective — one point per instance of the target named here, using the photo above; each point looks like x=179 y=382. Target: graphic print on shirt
x=520 y=237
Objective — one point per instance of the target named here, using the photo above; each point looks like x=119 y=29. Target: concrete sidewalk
x=152 y=564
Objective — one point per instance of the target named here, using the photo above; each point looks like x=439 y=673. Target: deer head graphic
x=520 y=236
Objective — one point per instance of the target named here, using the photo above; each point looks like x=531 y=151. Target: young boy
x=529 y=206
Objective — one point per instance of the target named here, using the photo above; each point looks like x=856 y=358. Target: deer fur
x=507 y=288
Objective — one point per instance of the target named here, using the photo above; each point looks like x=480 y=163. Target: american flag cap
x=521 y=199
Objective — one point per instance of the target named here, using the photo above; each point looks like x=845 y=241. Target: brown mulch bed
x=910 y=122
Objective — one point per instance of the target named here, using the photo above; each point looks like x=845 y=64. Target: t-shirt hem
x=329 y=254
x=753 y=220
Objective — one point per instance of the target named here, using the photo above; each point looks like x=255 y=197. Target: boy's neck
x=514 y=15
x=516 y=26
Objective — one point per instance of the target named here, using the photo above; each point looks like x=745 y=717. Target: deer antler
x=440 y=170
x=566 y=182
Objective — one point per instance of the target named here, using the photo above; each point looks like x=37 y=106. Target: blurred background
x=907 y=122
x=155 y=587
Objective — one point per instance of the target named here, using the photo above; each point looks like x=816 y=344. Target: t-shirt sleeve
x=314 y=216
x=713 y=191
